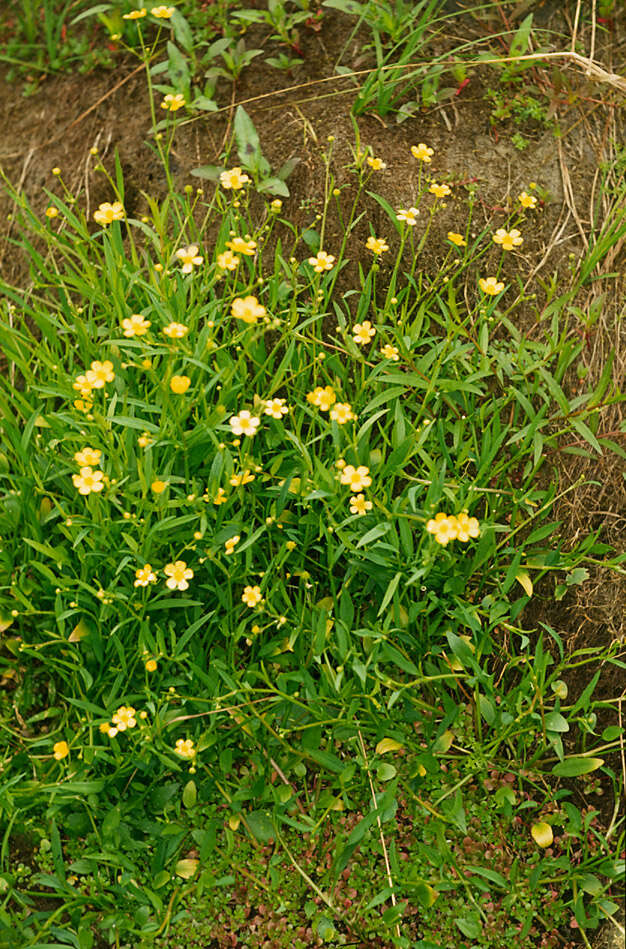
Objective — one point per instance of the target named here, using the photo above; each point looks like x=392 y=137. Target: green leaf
x=190 y=794
x=248 y=143
x=573 y=767
x=386 y=772
x=556 y=723
x=260 y=826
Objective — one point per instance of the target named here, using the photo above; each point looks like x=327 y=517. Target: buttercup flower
x=135 y=325
x=378 y=245
x=363 y=333
x=244 y=477
x=276 y=408
x=467 y=527
x=162 y=13
x=376 y=164
x=440 y=191
x=444 y=528
x=134 y=14
x=88 y=480
x=390 y=352
x=423 y=152
x=490 y=285
x=231 y=543
x=234 y=179
x=144 y=440
x=51 y=212
x=323 y=398
x=180 y=384
x=88 y=456
x=82 y=385
x=227 y=261
x=189 y=257
x=184 y=747
x=61 y=750
x=358 y=505
x=173 y=102
x=248 y=309
x=175 y=330
x=276 y=205
x=527 y=200
x=124 y=718
x=244 y=424
x=107 y=213
x=322 y=261
x=144 y=576
x=357 y=478
x=177 y=575
x=158 y=486
x=151 y=665
x=220 y=497
x=100 y=373
x=457 y=239
x=408 y=215
x=341 y=413
x=82 y=405
x=251 y=596
x=240 y=246
x=508 y=239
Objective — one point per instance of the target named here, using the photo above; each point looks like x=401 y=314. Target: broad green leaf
x=388 y=744
x=574 y=767
x=542 y=834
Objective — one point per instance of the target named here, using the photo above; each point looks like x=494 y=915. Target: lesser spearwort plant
x=242 y=544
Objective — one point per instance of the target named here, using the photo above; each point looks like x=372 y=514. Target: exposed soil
x=68 y=115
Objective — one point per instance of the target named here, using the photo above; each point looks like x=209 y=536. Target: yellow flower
x=134 y=14
x=107 y=213
x=467 y=527
x=390 y=352
x=124 y=718
x=408 y=215
x=88 y=456
x=378 y=245
x=490 y=285
x=175 y=330
x=240 y=246
x=82 y=385
x=144 y=576
x=276 y=205
x=144 y=440
x=61 y=750
x=178 y=574
x=508 y=239
x=111 y=731
x=100 y=373
x=234 y=179
x=376 y=164
x=244 y=424
x=527 y=200
x=440 y=191
x=276 y=408
x=231 y=543
x=322 y=261
x=227 y=261
x=248 y=309
x=173 y=102
x=457 y=239
x=322 y=397
x=151 y=665
x=220 y=497
x=357 y=478
x=423 y=152
x=184 y=748
x=180 y=384
x=251 y=596
x=51 y=212
x=135 y=325
x=88 y=480
x=83 y=406
x=189 y=257
x=358 y=505
x=341 y=413
x=162 y=13
x=444 y=527
x=245 y=477
x=159 y=486
x=363 y=333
